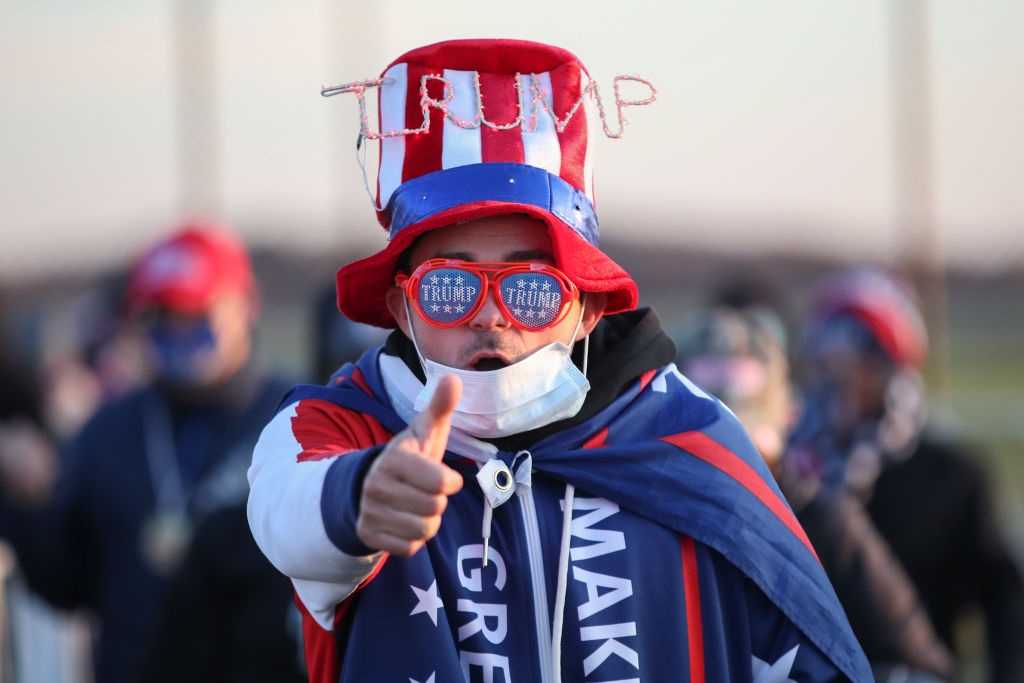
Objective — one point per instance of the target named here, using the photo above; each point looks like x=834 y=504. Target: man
x=37 y=642
x=149 y=466
x=865 y=432
x=518 y=485
x=737 y=355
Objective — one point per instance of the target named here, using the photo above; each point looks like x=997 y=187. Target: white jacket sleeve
x=286 y=521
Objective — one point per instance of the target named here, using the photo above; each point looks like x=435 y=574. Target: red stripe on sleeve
x=710 y=451
x=324 y=430
x=694 y=620
x=323 y=664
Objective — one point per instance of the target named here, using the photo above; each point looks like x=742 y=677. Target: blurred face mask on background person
x=200 y=351
x=183 y=349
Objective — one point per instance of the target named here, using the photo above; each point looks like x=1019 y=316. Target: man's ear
x=593 y=310
x=394 y=299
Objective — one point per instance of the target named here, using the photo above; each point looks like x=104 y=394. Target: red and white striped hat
x=475 y=128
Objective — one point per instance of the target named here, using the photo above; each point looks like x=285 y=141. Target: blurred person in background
x=149 y=466
x=228 y=615
x=336 y=339
x=37 y=643
x=864 y=430
x=92 y=354
x=739 y=356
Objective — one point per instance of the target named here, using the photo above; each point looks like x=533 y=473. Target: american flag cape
x=665 y=451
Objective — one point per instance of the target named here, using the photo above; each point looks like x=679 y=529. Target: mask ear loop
x=412 y=334
x=586 y=340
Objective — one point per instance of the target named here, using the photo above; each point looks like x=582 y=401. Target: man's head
x=500 y=326
x=196 y=297
x=863 y=330
x=736 y=355
x=483 y=133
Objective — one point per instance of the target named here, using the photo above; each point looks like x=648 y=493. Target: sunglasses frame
x=491 y=273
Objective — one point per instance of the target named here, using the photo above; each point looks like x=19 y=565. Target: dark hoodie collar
x=622 y=347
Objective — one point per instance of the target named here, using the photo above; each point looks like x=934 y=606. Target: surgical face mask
x=542 y=388
x=182 y=351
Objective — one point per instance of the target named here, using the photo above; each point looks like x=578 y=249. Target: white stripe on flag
x=461 y=146
x=540 y=147
x=392 y=111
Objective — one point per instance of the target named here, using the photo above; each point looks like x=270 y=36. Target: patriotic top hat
x=475 y=128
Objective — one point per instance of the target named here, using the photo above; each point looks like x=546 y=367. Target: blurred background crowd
x=822 y=206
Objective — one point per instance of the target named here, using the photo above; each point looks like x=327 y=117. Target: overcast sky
x=773 y=128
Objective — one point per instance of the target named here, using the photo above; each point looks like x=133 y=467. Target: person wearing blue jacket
x=519 y=485
x=149 y=466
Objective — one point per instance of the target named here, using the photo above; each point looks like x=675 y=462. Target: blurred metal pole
x=347 y=49
x=914 y=171
x=198 y=129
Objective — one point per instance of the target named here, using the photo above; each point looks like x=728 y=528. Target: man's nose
x=490 y=316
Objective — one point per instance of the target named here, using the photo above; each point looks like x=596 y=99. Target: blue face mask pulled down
x=181 y=351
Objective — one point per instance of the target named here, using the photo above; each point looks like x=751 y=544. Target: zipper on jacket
x=540 y=593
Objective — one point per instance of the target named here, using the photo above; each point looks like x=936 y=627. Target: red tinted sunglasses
x=449 y=292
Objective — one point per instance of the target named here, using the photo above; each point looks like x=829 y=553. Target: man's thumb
x=431 y=427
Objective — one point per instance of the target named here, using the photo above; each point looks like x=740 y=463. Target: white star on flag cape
x=428 y=601
x=777 y=672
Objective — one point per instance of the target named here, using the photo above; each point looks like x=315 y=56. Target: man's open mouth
x=485 y=364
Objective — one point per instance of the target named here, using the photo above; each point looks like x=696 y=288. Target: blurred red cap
x=189 y=270
x=883 y=303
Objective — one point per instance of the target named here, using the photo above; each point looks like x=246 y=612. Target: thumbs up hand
x=406 y=489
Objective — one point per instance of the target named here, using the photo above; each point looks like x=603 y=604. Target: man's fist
x=407 y=487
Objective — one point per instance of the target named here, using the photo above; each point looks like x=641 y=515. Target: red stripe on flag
x=423 y=150
x=360 y=381
x=501 y=107
x=702 y=446
x=694 y=620
x=597 y=440
x=646 y=378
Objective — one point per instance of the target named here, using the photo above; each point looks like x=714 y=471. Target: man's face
x=488 y=341
x=201 y=351
x=857 y=386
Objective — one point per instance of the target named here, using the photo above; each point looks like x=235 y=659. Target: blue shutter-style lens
x=534 y=299
x=447 y=294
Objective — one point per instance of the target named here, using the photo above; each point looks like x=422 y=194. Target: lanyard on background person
x=166 y=532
